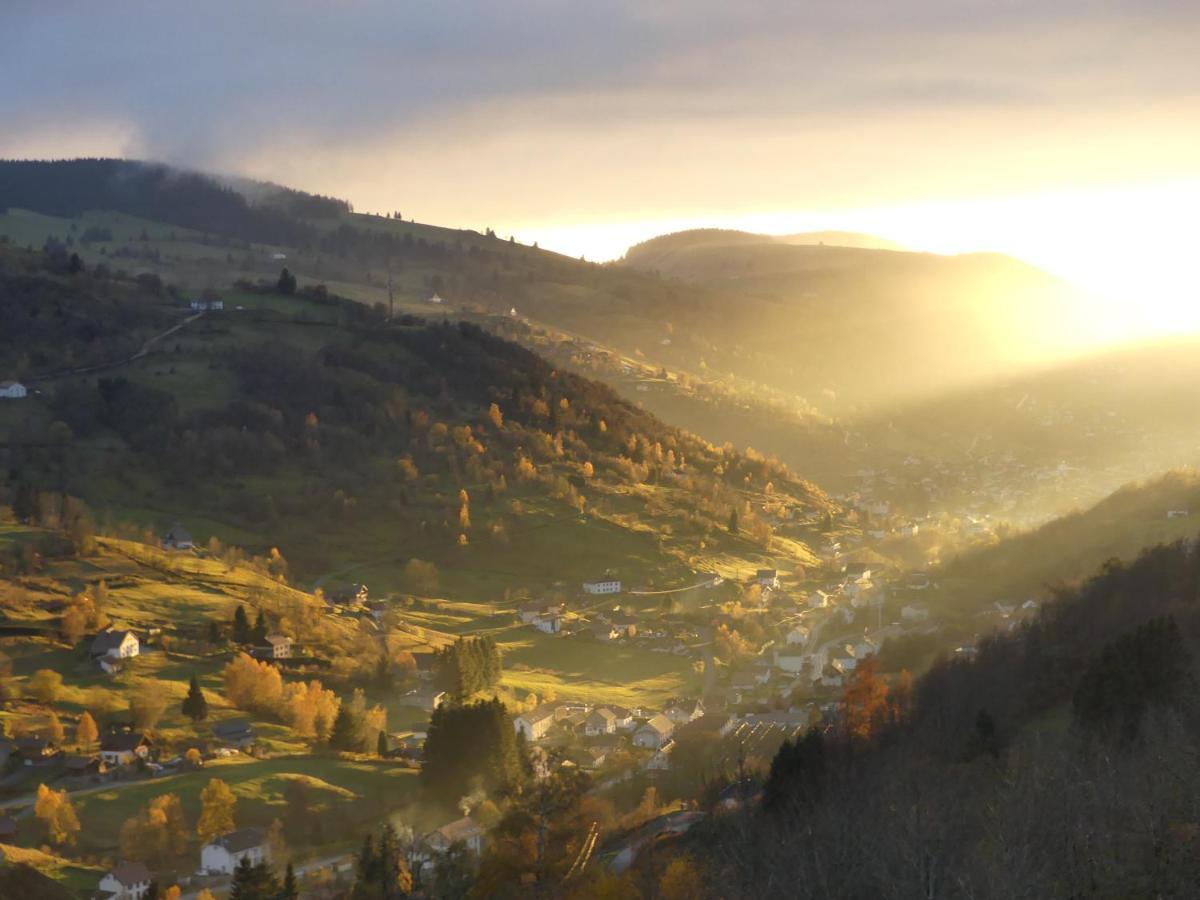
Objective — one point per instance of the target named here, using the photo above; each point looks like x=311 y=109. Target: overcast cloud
x=529 y=111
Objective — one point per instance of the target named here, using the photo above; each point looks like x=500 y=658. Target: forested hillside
x=284 y=412
x=1056 y=762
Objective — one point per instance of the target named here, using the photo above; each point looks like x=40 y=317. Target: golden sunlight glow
x=1131 y=248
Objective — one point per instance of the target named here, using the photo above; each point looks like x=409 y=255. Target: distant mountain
x=842 y=239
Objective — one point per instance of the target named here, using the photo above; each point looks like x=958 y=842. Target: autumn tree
x=157 y=834
x=147 y=703
x=864 y=700
x=252 y=685
x=218 y=805
x=55 y=811
x=46 y=685
x=495 y=416
x=86 y=732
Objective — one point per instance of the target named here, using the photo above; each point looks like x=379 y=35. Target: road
x=143 y=352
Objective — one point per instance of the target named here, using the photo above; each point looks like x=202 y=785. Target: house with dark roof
x=126 y=881
x=222 y=855
x=124 y=749
x=178 y=538
x=115 y=644
x=234 y=732
x=463 y=831
x=656 y=732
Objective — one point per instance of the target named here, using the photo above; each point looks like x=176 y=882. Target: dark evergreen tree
x=733 y=521
x=241 y=626
x=258 y=635
x=254 y=881
x=381 y=744
x=195 y=707
x=290 y=890
x=345 y=734
x=469 y=743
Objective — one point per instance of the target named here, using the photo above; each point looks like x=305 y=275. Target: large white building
x=605 y=585
x=222 y=856
x=12 y=390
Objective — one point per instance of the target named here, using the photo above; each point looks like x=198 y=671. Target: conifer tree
x=195 y=707
x=241 y=626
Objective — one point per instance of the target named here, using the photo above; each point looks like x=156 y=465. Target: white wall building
x=222 y=856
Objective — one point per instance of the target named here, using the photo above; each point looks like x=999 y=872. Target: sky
x=1066 y=133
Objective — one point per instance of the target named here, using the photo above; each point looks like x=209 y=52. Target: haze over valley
x=483 y=453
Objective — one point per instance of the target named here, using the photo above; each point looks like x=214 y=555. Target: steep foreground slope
x=976 y=785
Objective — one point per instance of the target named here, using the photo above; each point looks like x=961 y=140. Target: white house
x=124 y=749
x=656 y=732
x=535 y=723
x=222 y=856
x=684 y=711
x=435 y=299
x=113 y=644
x=605 y=585
x=279 y=646
x=12 y=390
x=206 y=305
x=551 y=624
x=463 y=831
x=768 y=578
x=126 y=881
x=1171 y=513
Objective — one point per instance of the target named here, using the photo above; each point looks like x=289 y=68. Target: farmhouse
x=535 y=723
x=683 y=711
x=768 y=578
x=12 y=390
x=656 y=732
x=548 y=624
x=177 y=538
x=279 y=646
x=222 y=856
x=112 y=644
x=126 y=881
x=462 y=831
x=601 y=721
x=35 y=750
x=207 y=304
x=605 y=585
x=124 y=749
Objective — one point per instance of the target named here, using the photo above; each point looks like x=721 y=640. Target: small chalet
x=535 y=723
x=126 y=881
x=656 y=732
x=234 y=732
x=463 y=831
x=548 y=624
x=177 y=538
x=222 y=855
x=624 y=623
x=124 y=749
x=12 y=390
x=348 y=595
x=622 y=718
